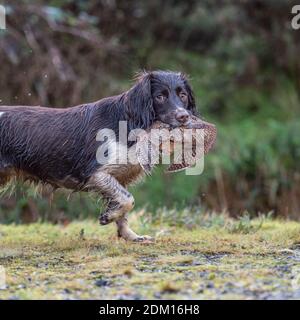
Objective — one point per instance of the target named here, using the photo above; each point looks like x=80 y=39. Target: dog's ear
x=139 y=103
x=191 y=98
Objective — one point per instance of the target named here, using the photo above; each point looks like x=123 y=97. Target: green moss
x=45 y=261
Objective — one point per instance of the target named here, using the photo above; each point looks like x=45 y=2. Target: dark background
x=243 y=60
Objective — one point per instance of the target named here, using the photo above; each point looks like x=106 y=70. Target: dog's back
x=43 y=143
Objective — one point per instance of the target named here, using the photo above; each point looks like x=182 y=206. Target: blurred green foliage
x=243 y=61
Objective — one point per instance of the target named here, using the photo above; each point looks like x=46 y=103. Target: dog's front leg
x=119 y=203
x=119 y=200
x=126 y=233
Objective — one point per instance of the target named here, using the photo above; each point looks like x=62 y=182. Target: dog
x=58 y=146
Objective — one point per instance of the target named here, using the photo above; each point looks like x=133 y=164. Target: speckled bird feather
x=150 y=148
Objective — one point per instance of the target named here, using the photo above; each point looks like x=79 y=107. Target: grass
x=235 y=259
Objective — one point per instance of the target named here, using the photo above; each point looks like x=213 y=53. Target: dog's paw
x=112 y=212
x=144 y=239
x=104 y=219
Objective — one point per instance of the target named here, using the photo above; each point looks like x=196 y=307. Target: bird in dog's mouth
x=186 y=144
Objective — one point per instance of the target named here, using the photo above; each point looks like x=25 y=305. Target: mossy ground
x=237 y=260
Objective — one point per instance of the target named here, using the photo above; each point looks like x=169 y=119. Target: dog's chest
x=126 y=174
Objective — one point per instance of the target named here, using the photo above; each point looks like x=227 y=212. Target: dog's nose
x=182 y=116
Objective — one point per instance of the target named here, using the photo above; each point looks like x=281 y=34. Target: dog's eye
x=183 y=96
x=160 y=98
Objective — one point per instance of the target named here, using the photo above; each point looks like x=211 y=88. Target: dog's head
x=160 y=95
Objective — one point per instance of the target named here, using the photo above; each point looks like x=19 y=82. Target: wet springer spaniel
x=59 y=146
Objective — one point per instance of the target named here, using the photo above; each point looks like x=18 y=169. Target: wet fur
x=58 y=146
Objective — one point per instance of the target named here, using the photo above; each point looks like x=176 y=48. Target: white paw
x=144 y=239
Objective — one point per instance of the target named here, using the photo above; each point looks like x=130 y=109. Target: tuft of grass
x=245 y=225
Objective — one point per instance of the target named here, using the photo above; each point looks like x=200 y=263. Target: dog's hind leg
x=119 y=200
x=5 y=173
